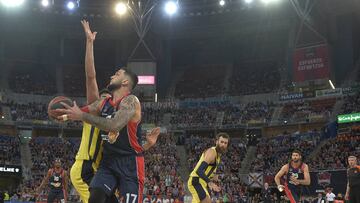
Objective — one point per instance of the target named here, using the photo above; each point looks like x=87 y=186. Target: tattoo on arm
x=94 y=107
x=122 y=116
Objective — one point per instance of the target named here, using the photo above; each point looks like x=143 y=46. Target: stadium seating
x=9 y=150
x=195 y=84
x=333 y=155
x=274 y=152
x=254 y=78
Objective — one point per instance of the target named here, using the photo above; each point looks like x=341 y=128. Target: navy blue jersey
x=293 y=191
x=124 y=143
x=297 y=172
x=56 y=180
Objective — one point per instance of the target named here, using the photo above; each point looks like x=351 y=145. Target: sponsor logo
x=9 y=169
x=324 y=178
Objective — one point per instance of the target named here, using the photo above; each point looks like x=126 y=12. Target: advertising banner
x=349 y=118
x=311 y=63
x=329 y=93
x=6 y=170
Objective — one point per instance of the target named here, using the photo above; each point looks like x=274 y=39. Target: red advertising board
x=311 y=63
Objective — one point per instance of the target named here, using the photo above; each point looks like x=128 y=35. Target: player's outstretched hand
x=214 y=187
x=70 y=113
x=215 y=178
x=90 y=36
x=152 y=137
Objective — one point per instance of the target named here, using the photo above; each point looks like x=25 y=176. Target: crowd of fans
x=153 y=112
x=44 y=151
x=194 y=117
x=254 y=78
x=333 y=155
x=161 y=164
x=232 y=187
x=274 y=152
x=253 y=112
x=196 y=84
x=301 y=111
x=31 y=78
x=351 y=104
x=9 y=150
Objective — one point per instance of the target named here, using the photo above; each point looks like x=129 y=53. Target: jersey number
x=128 y=196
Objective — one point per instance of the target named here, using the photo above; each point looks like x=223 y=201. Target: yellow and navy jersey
x=90 y=145
x=211 y=168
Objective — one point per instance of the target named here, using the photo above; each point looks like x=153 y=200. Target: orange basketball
x=55 y=104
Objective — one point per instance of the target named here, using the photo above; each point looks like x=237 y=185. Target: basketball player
x=353 y=186
x=89 y=154
x=122 y=164
x=58 y=182
x=202 y=175
x=296 y=174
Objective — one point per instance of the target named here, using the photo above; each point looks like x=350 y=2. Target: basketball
x=55 y=104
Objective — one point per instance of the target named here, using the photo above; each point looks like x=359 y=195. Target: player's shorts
x=124 y=173
x=354 y=196
x=293 y=193
x=198 y=189
x=81 y=174
x=56 y=195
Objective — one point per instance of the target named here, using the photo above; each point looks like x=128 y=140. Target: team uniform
x=56 y=185
x=196 y=185
x=354 y=184
x=294 y=192
x=87 y=160
x=122 y=166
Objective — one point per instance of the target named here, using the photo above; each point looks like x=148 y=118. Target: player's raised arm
x=92 y=90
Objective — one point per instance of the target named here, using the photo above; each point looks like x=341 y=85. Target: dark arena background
x=276 y=75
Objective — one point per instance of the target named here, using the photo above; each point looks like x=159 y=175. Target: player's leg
x=292 y=194
x=81 y=174
x=198 y=190
x=354 y=197
x=102 y=185
x=51 y=197
x=132 y=177
x=60 y=196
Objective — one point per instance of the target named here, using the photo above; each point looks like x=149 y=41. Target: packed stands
x=194 y=117
x=351 y=104
x=74 y=80
x=161 y=164
x=9 y=150
x=333 y=155
x=153 y=112
x=44 y=151
x=196 y=84
x=253 y=78
x=29 y=111
x=274 y=152
x=31 y=78
x=313 y=110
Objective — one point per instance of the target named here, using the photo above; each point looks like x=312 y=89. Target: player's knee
x=97 y=195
